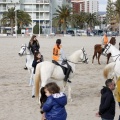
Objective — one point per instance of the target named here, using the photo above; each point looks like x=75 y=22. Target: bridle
x=107 y=48
x=84 y=56
x=24 y=50
x=84 y=60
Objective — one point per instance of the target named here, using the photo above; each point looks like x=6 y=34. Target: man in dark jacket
x=107 y=105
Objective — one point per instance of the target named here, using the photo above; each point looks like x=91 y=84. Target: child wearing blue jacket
x=54 y=107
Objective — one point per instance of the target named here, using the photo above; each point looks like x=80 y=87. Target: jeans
x=106 y=119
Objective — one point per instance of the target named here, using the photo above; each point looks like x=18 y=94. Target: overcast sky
x=103 y=4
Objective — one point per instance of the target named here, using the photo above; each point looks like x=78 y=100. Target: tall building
x=89 y=6
x=39 y=10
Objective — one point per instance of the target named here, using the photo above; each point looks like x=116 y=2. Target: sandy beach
x=16 y=102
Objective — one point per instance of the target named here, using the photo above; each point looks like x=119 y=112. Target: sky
x=103 y=4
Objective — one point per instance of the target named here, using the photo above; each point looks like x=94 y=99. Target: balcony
x=3 y=9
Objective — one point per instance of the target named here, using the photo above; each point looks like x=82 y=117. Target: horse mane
x=112 y=41
x=75 y=56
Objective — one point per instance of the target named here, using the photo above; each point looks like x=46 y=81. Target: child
x=37 y=59
x=54 y=107
x=42 y=101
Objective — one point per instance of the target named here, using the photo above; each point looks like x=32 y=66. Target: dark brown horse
x=98 y=50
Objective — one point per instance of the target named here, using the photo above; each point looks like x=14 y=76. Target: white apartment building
x=39 y=10
x=91 y=6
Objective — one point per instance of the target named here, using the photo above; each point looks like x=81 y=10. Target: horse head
x=113 y=40
x=22 y=50
x=83 y=56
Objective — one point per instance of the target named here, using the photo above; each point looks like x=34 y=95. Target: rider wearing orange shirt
x=59 y=58
x=104 y=41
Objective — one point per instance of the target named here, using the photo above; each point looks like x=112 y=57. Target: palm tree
x=62 y=16
x=9 y=17
x=78 y=19
x=23 y=18
x=117 y=9
x=91 y=19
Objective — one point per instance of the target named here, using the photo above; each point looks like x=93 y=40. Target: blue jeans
x=106 y=119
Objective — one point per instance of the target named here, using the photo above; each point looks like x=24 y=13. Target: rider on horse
x=59 y=56
x=33 y=46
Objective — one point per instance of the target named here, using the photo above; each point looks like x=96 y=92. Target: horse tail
x=108 y=68
x=37 y=80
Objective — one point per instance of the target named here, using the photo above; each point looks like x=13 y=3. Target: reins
x=114 y=55
x=79 y=62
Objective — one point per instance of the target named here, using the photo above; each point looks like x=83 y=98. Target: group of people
x=53 y=101
x=58 y=56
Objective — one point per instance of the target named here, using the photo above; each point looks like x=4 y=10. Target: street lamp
x=15 y=21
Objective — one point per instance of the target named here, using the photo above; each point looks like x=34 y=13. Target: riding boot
x=119 y=117
x=67 y=74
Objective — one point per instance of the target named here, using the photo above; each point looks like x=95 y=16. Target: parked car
x=70 y=32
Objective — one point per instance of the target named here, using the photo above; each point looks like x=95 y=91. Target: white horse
x=24 y=51
x=46 y=70
x=114 y=66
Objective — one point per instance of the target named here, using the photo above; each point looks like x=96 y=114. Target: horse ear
x=83 y=48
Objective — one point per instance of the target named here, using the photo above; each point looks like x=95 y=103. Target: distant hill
x=101 y=13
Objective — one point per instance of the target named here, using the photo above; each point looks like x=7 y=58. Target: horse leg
x=69 y=92
x=33 y=88
x=108 y=57
x=95 y=54
x=31 y=78
x=99 y=58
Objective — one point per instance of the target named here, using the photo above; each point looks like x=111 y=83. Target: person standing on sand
x=54 y=106
x=107 y=105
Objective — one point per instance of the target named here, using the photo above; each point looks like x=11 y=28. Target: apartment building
x=89 y=6
x=39 y=10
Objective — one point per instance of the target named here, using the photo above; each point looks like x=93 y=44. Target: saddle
x=61 y=65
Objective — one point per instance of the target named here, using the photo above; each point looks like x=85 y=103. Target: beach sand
x=16 y=102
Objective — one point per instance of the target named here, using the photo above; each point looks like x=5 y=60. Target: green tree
x=91 y=19
x=8 y=18
x=62 y=17
x=78 y=20
x=117 y=10
x=36 y=29
x=110 y=14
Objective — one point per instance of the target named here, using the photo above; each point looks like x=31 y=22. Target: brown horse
x=98 y=50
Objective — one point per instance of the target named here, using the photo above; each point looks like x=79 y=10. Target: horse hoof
x=25 y=68
x=33 y=96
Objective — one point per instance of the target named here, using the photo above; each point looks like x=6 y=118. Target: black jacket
x=34 y=47
x=34 y=64
x=107 y=105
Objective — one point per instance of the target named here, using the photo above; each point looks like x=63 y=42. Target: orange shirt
x=56 y=53
x=105 y=40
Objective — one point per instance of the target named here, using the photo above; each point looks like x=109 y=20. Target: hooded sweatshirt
x=107 y=105
x=54 y=107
